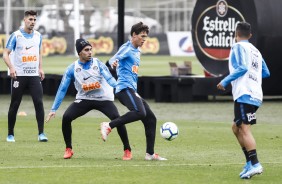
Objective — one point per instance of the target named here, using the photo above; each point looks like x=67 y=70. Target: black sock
x=246 y=154
x=253 y=156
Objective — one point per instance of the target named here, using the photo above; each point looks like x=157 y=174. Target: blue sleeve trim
x=121 y=54
x=63 y=88
x=240 y=71
x=11 y=44
x=265 y=70
x=107 y=74
x=239 y=64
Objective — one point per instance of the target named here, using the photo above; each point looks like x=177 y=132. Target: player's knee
x=66 y=118
x=38 y=103
x=140 y=114
x=235 y=129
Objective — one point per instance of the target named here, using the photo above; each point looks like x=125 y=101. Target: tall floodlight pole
x=120 y=33
x=8 y=18
x=76 y=18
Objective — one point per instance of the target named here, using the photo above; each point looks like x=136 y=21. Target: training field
x=204 y=152
x=150 y=65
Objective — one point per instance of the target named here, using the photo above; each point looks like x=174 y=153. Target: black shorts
x=244 y=113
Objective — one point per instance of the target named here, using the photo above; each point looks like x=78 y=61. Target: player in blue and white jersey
x=247 y=68
x=127 y=60
x=23 y=57
x=94 y=84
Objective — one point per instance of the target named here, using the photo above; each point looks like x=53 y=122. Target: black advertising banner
x=213 y=24
x=213 y=31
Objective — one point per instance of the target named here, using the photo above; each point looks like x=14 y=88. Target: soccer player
x=93 y=83
x=247 y=68
x=23 y=57
x=127 y=61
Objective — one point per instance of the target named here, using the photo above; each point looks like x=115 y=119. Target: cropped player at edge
x=247 y=68
x=23 y=57
x=127 y=60
x=94 y=84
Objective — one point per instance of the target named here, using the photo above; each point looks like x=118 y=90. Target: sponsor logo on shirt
x=26 y=48
x=85 y=78
x=29 y=70
x=29 y=59
x=91 y=86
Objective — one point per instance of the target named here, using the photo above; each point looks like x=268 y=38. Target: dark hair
x=243 y=29
x=30 y=12
x=138 y=28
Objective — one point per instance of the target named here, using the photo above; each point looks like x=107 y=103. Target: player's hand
x=50 y=115
x=13 y=73
x=115 y=64
x=41 y=74
x=220 y=87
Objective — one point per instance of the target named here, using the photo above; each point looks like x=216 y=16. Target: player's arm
x=107 y=74
x=62 y=90
x=41 y=72
x=11 y=44
x=120 y=55
x=265 y=70
x=238 y=62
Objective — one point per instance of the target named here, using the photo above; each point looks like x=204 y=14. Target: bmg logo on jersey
x=251 y=116
x=29 y=59
x=91 y=86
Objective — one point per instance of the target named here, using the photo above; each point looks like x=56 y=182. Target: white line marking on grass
x=137 y=165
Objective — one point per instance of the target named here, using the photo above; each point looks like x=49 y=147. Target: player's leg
x=133 y=102
x=130 y=99
x=110 y=110
x=248 y=119
x=76 y=109
x=150 y=123
x=236 y=130
x=36 y=92
x=18 y=86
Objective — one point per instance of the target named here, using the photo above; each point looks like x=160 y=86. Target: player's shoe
x=68 y=153
x=253 y=170
x=105 y=130
x=42 y=138
x=154 y=157
x=245 y=168
x=127 y=155
x=10 y=138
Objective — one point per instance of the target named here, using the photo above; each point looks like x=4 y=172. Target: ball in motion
x=169 y=131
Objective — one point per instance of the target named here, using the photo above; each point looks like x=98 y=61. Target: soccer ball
x=169 y=131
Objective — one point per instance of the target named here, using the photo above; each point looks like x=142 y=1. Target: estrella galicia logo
x=221 y=8
x=215 y=30
x=186 y=44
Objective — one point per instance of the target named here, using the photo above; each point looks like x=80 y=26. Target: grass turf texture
x=150 y=65
x=205 y=151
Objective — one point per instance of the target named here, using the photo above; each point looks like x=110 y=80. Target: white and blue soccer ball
x=169 y=131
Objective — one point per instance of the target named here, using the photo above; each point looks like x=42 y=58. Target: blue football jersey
x=128 y=58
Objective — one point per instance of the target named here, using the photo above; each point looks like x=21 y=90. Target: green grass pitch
x=150 y=65
x=204 y=152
